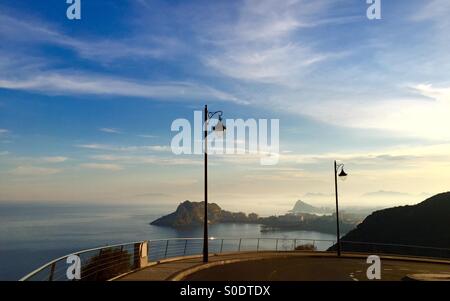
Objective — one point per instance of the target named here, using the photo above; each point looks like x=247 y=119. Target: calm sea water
x=33 y=234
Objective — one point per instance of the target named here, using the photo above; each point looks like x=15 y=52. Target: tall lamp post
x=218 y=128
x=338 y=171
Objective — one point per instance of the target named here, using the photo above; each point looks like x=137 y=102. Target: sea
x=32 y=234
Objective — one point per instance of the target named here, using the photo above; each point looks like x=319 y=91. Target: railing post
x=276 y=247
x=143 y=262
x=257 y=246
x=137 y=251
x=295 y=243
x=185 y=247
x=100 y=253
x=221 y=246
x=52 y=272
x=239 y=248
x=167 y=246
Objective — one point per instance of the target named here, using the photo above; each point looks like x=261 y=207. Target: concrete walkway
x=171 y=267
x=281 y=266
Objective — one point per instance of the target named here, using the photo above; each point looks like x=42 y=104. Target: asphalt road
x=313 y=269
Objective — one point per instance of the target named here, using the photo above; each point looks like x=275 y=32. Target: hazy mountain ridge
x=190 y=214
x=302 y=207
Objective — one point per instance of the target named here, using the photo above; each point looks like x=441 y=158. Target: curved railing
x=105 y=263
x=100 y=263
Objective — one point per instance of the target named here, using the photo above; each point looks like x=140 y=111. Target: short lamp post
x=338 y=172
x=219 y=128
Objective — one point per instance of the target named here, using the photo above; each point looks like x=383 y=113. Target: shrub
x=106 y=265
x=306 y=247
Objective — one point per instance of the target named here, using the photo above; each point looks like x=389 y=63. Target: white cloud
x=436 y=10
x=383 y=193
x=277 y=64
x=21 y=71
x=55 y=159
x=141 y=148
x=102 y=166
x=110 y=157
x=95 y=146
x=137 y=160
x=17 y=28
x=425 y=116
x=34 y=171
x=147 y=136
x=263 y=44
x=90 y=84
x=110 y=130
x=3 y=132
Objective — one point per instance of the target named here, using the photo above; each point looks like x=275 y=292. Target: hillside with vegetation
x=190 y=214
x=424 y=224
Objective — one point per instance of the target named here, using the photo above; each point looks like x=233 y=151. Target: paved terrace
x=279 y=266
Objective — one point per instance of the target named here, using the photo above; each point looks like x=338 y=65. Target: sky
x=86 y=106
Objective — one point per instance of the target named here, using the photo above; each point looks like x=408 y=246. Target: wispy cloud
x=90 y=84
x=3 y=132
x=383 y=193
x=264 y=45
x=102 y=166
x=137 y=160
x=18 y=28
x=110 y=130
x=55 y=159
x=140 y=148
x=435 y=10
x=31 y=161
x=423 y=116
x=22 y=68
x=34 y=171
x=147 y=136
x=317 y=195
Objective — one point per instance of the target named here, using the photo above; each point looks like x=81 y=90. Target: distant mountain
x=189 y=214
x=302 y=207
x=308 y=222
x=424 y=224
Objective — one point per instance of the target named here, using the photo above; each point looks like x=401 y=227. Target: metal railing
x=167 y=248
x=105 y=263
x=97 y=264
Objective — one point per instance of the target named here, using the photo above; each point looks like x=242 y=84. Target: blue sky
x=86 y=106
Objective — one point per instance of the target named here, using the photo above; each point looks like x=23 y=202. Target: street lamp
x=338 y=168
x=219 y=128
